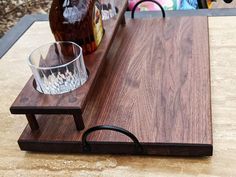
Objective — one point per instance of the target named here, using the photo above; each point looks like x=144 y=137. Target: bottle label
x=97 y=24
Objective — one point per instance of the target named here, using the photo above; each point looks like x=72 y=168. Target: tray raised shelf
x=31 y=102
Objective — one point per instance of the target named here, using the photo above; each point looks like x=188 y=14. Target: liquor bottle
x=79 y=21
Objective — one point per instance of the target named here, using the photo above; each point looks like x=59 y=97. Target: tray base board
x=60 y=139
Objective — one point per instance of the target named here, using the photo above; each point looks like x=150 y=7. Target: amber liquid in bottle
x=79 y=21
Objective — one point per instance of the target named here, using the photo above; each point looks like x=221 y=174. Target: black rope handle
x=157 y=3
x=86 y=147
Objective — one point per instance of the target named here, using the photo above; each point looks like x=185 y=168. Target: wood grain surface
x=30 y=101
x=158 y=81
x=155 y=84
x=14 y=162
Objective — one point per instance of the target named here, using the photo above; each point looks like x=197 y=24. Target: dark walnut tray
x=153 y=91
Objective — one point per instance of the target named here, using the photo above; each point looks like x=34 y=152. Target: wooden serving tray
x=154 y=87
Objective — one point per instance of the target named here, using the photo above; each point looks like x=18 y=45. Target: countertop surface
x=14 y=73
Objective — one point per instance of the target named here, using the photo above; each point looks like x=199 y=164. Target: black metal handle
x=86 y=147
x=157 y=3
x=228 y=1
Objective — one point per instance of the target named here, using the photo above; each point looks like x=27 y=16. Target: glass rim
x=53 y=67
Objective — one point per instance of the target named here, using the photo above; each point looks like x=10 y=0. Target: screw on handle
x=157 y=3
x=87 y=148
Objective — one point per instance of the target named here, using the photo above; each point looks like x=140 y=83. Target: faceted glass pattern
x=108 y=9
x=58 y=67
